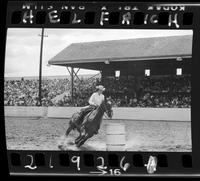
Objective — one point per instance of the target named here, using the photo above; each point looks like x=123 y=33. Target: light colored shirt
x=96 y=99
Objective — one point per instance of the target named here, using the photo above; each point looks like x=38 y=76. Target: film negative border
x=98 y=163
x=106 y=163
x=102 y=15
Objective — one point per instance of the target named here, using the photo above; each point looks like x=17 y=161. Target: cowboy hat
x=100 y=87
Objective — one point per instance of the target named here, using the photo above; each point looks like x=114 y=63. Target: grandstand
x=152 y=72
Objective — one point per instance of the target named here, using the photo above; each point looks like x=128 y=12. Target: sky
x=23 y=46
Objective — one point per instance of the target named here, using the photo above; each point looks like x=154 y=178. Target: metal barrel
x=115 y=137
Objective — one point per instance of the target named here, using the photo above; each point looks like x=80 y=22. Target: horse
x=90 y=123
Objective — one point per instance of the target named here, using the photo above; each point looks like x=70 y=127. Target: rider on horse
x=94 y=101
x=87 y=122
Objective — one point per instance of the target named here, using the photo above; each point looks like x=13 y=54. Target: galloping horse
x=90 y=125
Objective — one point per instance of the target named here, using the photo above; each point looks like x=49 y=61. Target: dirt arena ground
x=46 y=133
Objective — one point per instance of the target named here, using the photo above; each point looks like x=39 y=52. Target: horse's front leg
x=83 y=140
x=78 y=138
x=80 y=130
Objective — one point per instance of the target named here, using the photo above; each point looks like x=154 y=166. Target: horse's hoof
x=77 y=144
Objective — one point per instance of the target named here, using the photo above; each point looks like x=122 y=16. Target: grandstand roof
x=125 y=50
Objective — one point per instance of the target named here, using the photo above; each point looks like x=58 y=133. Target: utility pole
x=40 y=66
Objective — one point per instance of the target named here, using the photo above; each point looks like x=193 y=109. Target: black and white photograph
x=98 y=89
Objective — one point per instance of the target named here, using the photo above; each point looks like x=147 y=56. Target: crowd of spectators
x=26 y=92
x=169 y=91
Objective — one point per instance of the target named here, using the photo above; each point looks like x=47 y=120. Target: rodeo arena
x=144 y=89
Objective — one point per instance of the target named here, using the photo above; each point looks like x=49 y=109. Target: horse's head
x=108 y=107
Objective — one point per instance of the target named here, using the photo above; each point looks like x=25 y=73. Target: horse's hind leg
x=68 y=130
